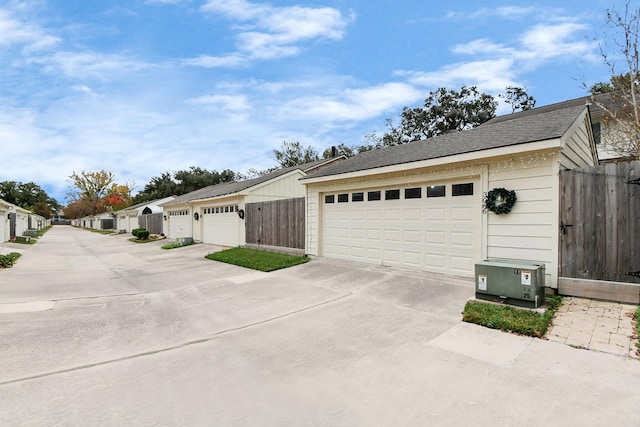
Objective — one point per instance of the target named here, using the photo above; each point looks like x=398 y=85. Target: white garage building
x=420 y=205
x=215 y=214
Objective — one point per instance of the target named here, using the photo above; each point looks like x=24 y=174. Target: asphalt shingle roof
x=520 y=128
x=227 y=188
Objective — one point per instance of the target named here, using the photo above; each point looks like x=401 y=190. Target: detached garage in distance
x=216 y=214
x=421 y=205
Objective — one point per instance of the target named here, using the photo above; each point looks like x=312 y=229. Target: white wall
x=529 y=232
x=286 y=187
x=4 y=226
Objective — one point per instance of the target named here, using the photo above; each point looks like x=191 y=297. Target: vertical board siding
x=276 y=223
x=601 y=243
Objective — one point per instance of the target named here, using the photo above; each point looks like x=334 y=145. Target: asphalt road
x=96 y=330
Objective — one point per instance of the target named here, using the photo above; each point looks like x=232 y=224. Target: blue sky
x=142 y=87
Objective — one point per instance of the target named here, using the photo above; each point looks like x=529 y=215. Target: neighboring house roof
x=141 y=206
x=228 y=188
x=539 y=124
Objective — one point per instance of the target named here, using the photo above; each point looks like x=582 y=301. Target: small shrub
x=8 y=260
x=135 y=231
x=143 y=234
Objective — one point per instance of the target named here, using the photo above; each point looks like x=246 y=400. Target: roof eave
x=457 y=158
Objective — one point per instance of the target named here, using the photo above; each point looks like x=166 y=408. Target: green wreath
x=500 y=201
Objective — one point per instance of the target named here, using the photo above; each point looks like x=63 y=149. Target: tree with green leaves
x=293 y=154
x=196 y=178
x=29 y=196
x=443 y=111
x=446 y=111
x=518 y=98
x=182 y=182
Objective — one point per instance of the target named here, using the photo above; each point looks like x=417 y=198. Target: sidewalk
x=595 y=325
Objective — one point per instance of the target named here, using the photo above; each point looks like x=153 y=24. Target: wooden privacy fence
x=599 y=222
x=107 y=224
x=277 y=223
x=152 y=222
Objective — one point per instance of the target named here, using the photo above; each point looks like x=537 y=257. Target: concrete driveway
x=96 y=330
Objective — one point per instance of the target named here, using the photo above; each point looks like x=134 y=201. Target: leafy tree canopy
x=293 y=153
x=29 y=196
x=446 y=111
x=182 y=182
x=518 y=99
x=443 y=111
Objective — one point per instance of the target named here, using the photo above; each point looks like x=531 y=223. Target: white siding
x=285 y=187
x=4 y=226
x=577 y=150
x=529 y=232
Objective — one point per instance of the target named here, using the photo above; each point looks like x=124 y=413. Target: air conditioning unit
x=184 y=241
x=512 y=282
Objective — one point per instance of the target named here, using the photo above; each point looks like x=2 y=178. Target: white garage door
x=179 y=224
x=221 y=226
x=3 y=221
x=435 y=227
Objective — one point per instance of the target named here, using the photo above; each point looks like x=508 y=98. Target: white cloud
x=269 y=32
x=14 y=31
x=235 y=103
x=90 y=65
x=495 y=66
x=353 y=104
x=482 y=46
x=507 y=12
x=547 y=41
x=206 y=61
x=489 y=75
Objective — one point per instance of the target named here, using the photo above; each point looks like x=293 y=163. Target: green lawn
x=256 y=259
x=510 y=319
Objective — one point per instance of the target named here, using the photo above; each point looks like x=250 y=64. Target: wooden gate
x=277 y=223
x=152 y=222
x=599 y=223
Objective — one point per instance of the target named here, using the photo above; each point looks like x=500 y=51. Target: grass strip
x=257 y=259
x=9 y=259
x=44 y=230
x=176 y=245
x=511 y=319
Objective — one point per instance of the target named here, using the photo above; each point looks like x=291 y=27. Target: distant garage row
x=216 y=214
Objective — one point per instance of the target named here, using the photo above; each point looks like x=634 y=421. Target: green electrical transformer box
x=512 y=282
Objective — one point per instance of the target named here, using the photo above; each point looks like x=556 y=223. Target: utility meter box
x=512 y=282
